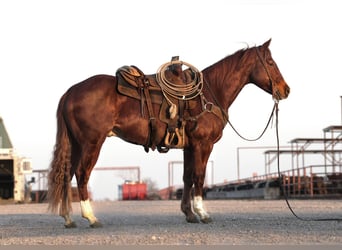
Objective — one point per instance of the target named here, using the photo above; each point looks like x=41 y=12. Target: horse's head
x=266 y=74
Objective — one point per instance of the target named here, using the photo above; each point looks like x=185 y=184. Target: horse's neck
x=234 y=87
x=226 y=88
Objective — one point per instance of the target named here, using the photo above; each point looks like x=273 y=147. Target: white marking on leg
x=87 y=212
x=199 y=209
x=68 y=220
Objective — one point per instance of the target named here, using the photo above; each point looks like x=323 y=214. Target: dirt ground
x=235 y=222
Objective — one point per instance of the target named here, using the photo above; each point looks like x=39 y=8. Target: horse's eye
x=269 y=61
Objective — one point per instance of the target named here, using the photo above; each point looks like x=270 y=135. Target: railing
x=319 y=181
x=312 y=181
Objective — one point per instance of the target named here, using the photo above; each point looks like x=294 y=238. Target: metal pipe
x=238 y=163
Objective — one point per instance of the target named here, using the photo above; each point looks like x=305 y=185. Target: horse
x=93 y=109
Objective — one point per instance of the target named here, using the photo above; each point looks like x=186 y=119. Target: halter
x=272 y=84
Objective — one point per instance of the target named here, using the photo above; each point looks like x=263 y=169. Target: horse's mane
x=224 y=67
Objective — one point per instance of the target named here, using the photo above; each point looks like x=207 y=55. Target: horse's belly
x=138 y=131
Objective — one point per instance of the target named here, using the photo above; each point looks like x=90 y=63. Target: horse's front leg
x=199 y=209
x=201 y=155
x=188 y=183
x=195 y=162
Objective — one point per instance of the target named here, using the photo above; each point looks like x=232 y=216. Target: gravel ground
x=235 y=222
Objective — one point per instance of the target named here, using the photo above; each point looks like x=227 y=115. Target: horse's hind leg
x=66 y=207
x=65 y=194
x=66 y=199
x=69 y=223
x=89 y=157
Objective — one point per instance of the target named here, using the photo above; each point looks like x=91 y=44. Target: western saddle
x=134 y=83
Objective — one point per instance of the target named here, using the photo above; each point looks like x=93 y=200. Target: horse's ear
x=266 y=44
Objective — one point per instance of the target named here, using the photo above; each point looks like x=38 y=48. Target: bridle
x=275 y=110
x=275 y=96
x=275 y=91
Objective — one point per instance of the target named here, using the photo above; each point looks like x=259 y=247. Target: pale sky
x=47 y=46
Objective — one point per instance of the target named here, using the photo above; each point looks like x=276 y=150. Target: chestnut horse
x=93 y=109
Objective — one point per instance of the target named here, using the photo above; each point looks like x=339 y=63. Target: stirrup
x=170 y=139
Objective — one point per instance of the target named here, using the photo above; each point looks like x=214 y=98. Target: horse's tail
x=59 y=180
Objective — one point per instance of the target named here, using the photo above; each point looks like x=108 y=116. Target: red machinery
x=133 y=191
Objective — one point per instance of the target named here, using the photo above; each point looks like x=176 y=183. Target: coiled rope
x=183 y=90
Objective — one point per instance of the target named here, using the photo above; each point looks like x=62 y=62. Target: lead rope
x=263 y=132
x=274 y=95
x=282 y=188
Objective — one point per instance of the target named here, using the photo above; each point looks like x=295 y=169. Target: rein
x=282 y=187
x=275 y=111
x=263 y=132
x=274 y=96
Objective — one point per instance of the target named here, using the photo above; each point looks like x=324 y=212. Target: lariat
x=181 y=91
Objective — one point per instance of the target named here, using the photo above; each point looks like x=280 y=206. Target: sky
x=47 y=46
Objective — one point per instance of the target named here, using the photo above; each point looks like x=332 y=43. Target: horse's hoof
x=192 y=219
x=96 y=224
x=70 y=225
x=206 y=220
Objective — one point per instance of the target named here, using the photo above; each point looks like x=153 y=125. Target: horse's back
x=89 y=105
x=96 y=83
x=92 y=89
